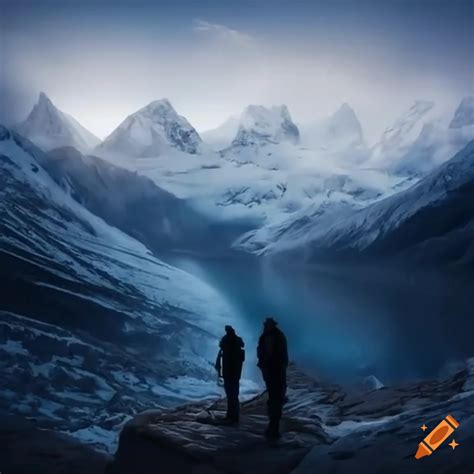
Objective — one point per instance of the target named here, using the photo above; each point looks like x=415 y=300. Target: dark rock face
x=126 y=200
x=25 y=449
x=325 y=430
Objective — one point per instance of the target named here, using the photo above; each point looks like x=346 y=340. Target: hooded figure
x=272 y=354
x=230 y=360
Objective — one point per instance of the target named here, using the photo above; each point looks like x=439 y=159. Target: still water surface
x=400 y=324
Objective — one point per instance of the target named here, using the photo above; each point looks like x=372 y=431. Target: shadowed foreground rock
x=27 y=449
x=326 y=431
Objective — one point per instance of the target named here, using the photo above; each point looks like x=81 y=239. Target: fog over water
x=399 y=324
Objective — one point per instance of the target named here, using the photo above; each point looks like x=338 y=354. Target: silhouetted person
x=230 y=360
x=272 y=354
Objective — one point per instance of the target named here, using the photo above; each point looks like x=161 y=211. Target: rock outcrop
x=326 y=430
x=27 y=449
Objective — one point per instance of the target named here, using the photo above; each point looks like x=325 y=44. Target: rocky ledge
x=26 y=448
x=326 y=430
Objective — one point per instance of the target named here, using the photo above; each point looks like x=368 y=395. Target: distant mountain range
x=415 y=143
x=432 y=221
x=284 y=184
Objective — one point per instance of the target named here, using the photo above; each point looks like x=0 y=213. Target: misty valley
x=346 y=323
x=123 y=261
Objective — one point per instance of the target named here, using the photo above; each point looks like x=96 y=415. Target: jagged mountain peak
x=151 y=131
x=339 y=134
x=258 y=111
x=48 y=127
x=345 y=108
x=346 y=119
x=44 y=105
x=464 y=115
x=43 y=99
x=261 y=125
x=414 y=114
x=158 y=107
x=398 y=137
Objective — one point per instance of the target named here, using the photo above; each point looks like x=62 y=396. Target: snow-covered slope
x=260 y=125
x=422 y=139
x=264 y=175
x=128 y=201
x=339 y=136
x=432 y=220
x=257 y=185
x=396 y=139
x=464 y=115
x=256 y=126
x=151 y=132
x=436 y=142
x=222 y=136
x=49 y=128
x=266 y=137
x=107 y=328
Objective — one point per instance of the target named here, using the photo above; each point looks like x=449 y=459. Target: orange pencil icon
x=436 y=437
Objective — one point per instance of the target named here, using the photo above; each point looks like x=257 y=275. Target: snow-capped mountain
x=399 y=137
x=152 y=131
x=260 y=126
x=260 y=184
x=264 y=174
x=339 y=136
x=48 y=127
x=266 y=137
x=464 y=115
x=432 y=220
x=436 y=142
x=222 y=136
x=107 y=328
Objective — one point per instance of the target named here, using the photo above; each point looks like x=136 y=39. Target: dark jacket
x=232 y=355
x=272 y=350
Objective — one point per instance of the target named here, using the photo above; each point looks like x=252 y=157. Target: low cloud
x=222 y=33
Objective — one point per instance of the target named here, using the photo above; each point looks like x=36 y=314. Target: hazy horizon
x=101 y=61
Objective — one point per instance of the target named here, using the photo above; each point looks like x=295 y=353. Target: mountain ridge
x=151 y=131
x=48 y=127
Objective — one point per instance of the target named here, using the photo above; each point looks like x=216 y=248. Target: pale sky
x=100 y=60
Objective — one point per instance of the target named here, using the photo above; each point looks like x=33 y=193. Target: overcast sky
x=102 y=60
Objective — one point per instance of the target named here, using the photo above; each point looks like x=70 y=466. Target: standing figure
x=230 y=360
x=272 y=354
